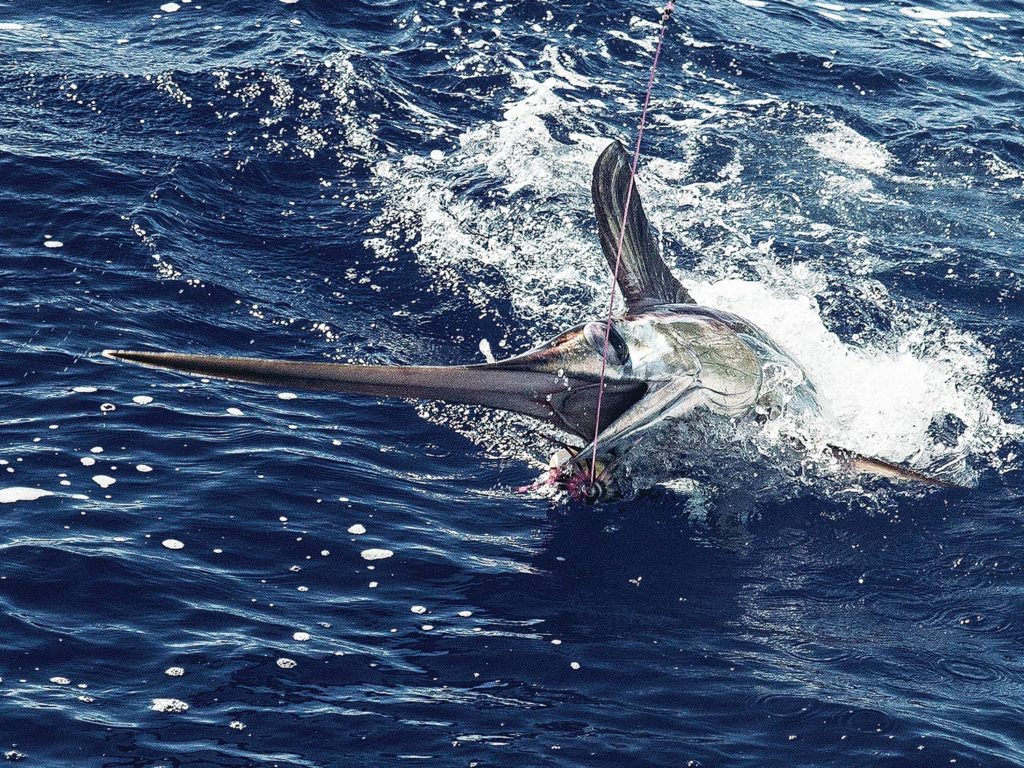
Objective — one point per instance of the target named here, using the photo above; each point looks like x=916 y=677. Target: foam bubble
x=169 y=705
x=103 y=481
x=485 y=350
x=376 y=554
x=173 y=544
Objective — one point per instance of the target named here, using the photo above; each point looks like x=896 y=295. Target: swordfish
x=668 y=360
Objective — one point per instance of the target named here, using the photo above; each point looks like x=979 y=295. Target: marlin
x=668 y=360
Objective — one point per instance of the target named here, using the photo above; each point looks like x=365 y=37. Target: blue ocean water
x=182 y=569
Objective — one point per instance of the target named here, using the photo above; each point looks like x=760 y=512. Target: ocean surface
x=186 y=567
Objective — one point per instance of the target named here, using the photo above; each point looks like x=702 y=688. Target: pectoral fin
x=671 y=401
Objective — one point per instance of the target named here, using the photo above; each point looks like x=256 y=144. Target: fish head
x=558 y=381
x=564 y=376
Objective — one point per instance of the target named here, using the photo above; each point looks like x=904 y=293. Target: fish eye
x=618 y=350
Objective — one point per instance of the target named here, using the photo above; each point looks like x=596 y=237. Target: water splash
x=526 y=221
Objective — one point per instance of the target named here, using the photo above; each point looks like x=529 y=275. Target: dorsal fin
x=644 y=278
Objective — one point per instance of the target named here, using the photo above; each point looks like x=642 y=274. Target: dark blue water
x=396 y=181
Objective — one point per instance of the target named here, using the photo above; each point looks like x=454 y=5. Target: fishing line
x=666 y=14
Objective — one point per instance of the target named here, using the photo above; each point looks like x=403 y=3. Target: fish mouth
x=531 y=384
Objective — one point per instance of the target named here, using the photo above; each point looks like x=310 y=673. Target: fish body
x=666 y=360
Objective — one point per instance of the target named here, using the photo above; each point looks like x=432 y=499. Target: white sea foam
x=841 y=144
x=542 y=246
x=11 y=495
x=945 y=18
x=877 y=399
